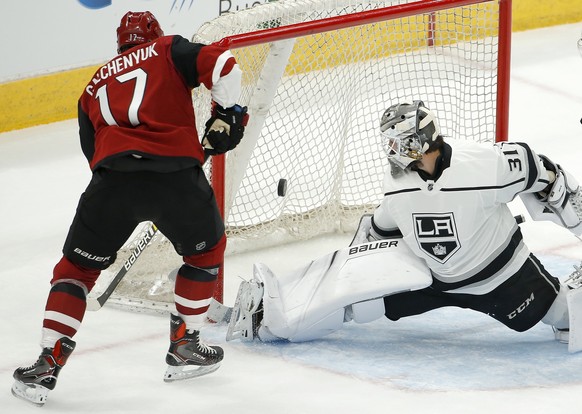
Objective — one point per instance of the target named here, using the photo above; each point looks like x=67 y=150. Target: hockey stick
x=94 y=304
x=217 y=312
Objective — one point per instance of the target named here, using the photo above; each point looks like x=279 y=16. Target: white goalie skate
x=573 y=335
x=574 y=281
x=247 y=311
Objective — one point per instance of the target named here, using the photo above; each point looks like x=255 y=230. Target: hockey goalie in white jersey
x=442 y=236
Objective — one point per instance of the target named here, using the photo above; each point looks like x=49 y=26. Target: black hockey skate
x=187 y=356
x=34 y=382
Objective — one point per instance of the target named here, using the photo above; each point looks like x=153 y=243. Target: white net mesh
x=315 y=102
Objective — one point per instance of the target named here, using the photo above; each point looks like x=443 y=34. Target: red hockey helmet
x=137 y=28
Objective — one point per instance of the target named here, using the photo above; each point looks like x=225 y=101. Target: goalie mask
x=137 y=28
x=408 y=130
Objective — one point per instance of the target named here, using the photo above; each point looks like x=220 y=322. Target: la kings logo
x=437 y=235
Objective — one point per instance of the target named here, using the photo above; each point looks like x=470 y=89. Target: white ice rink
x=448 y=361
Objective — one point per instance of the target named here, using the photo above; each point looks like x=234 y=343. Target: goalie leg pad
x=327 y=324
x=311 y=301
x=575 y=312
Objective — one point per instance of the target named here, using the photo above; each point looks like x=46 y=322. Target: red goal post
x=317 y=75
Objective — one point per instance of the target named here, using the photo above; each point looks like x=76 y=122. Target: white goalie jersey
x=460 y=223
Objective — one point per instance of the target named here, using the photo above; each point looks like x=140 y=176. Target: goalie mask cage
x=317 y=76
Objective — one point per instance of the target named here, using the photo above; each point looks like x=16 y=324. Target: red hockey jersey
x=136 y=113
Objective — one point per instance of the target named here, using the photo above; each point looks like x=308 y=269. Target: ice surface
x=448 y=361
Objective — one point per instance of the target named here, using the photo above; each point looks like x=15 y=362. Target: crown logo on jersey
x=439 y=250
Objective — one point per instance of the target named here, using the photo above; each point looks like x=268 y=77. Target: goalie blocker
x=562 y=204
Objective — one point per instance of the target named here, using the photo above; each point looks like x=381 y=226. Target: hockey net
x=318 y=74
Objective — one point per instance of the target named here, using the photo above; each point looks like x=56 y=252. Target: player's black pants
x=519 y=303
x=181 y=204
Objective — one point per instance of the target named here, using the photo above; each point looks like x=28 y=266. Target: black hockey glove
x=224 y=129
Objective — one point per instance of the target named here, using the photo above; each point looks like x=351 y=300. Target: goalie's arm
x=519 y=170
x=547 y=190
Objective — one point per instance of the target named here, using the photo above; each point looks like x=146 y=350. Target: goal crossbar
x=341 y=22
x=387 y=13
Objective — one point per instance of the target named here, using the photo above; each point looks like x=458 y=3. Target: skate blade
x=188 y=371
x=234 y=330
x=246 y=304
x=34 y=394
x=240 y=327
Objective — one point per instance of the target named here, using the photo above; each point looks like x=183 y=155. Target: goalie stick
x=96 y=303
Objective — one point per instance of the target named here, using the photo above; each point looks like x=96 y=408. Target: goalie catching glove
x=560 y=203
x=224 y=129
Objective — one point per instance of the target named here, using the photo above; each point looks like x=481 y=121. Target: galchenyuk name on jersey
x=121 y=63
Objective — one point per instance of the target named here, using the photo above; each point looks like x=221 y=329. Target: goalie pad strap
x=364 y=312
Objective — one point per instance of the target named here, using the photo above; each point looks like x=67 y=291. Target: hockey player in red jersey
x=138 y=132
x=443 y=235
